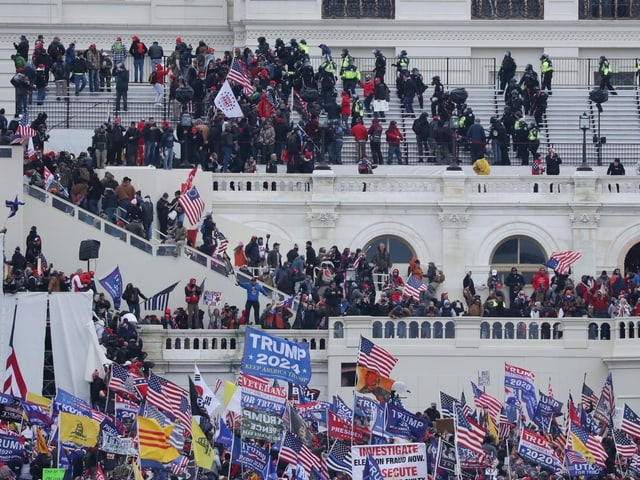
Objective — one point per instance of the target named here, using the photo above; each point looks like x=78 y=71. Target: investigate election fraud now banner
x=269 y=356
x=403 y=461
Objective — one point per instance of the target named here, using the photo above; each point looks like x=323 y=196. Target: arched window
x=521 y=252
x=400 y=251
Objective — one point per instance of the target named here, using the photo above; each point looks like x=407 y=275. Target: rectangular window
x=609 y=9
x=507 y=9
x=348 y=375
x=358 y=9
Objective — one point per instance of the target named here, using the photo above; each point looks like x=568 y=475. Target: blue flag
x=11 y=449
x=270 y=356
x=371 y=469
x=112 y=283
x=13 y=206
x=225 y=437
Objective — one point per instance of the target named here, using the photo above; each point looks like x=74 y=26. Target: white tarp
x=72 y=341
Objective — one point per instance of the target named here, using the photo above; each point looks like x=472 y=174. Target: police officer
x=417 y=78
x=546 y=70
x=533 y=136
x=350 y=78
x=437 y=96
x=605 y=75
x=521 y=139
x=402 y=66
x=345 y=60
x=381 y=64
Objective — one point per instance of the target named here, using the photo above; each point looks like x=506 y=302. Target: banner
x=314 y=412
x=339 y=427
x=10 y=448
x=261 y=425
x=10 y=408
x=114 y=444
x=252 y=457
x=407 y=461
x=53 y=473
x=402 y=423
x=260 y=396
x=446 y=458
x=577 y=465
x=534 y=448
x=270 y=356
x=517 y=378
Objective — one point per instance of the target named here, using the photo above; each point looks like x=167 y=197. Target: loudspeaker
x=89 y=249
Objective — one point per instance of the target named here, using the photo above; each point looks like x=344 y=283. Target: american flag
x=304 y=111
x=339 y=457
x=630 y=422
x=217 y=386
x=574 y=457
x=179 y=465
x=14 y=383
x=223 y=243
x=239 y=76
x=413 y=286
x=192 y=205
x=469 y=434
x=504 y=425
x=166 y=395
x=24 y=128
x=624 y=445
x=290 y=448
x=606 y=404
x=99 y=473
x=593 y=445
x=483 y=399
x=466 y=410
x=446 y=405
x=375 y=358
x=561 y=261
x=588 y=397
x=120 y=380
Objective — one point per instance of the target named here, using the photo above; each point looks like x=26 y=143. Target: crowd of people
x=263 y=80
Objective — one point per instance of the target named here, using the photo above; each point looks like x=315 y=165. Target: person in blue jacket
x=254 y=289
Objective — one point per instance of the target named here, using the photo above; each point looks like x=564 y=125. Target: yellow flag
x=202 y=450
x=136 y=471
x=78 y=429
x=154 y=441
x=41 y=443
x=578 y=446
x=491 y=428
x=39 y=400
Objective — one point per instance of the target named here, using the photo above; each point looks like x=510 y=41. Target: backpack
x=140 y=48
x=153 y=77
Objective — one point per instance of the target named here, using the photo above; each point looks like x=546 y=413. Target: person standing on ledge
x=254 y=289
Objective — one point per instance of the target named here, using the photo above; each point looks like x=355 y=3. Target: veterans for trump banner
x=404 y=461
x=258 y=395
x=270 y=356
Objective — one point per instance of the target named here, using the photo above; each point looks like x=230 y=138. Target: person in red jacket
x=192 y=293
x=540 y=280
x=367 y=92
x=345 y=109
x=360 y=134
x=158 y=87
x=394 y=138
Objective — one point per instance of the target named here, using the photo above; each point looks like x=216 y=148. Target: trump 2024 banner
x=270 y=356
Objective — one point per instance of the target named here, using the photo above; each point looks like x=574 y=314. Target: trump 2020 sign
x=270 y=356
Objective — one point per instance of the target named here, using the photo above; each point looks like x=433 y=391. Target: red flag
x=14 y=383
x=189 y=183
x=99 y=473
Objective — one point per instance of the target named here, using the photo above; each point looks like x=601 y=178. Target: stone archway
x=632 y=259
